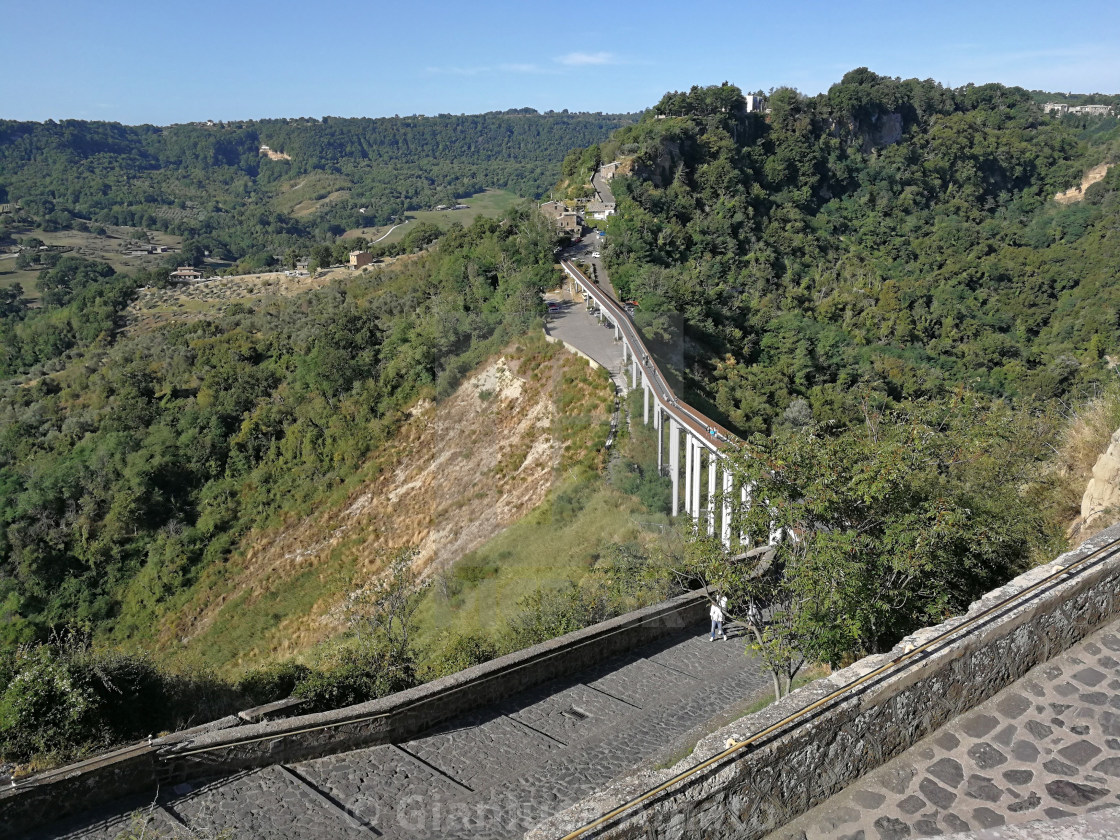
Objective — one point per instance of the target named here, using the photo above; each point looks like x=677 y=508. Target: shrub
x=455 y=653
x=355 y=675
x=44 y=708
x=272 y=682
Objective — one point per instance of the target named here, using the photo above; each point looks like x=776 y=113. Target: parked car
x=595 y=254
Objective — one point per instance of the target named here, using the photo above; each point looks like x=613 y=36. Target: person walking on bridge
x=717 y=612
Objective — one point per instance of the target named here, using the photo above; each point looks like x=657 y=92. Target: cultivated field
x=191 y=302
x=108 y=248
x=492 y=203
x=304 y=196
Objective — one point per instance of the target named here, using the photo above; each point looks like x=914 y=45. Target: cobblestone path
x=1046 y=747
x=492 y=774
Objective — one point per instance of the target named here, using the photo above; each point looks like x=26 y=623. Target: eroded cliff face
x=1100 y=506
x=661 y=169
x=1074 y=194
x=884 y=130
x=454 y=475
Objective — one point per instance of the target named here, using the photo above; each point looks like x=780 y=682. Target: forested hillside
x=878 y=289
x=877 y=278
x=142 y=461
x=210 y=183
x=887 y=241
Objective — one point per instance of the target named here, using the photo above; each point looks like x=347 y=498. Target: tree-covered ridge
x=889 y=239
x=124 y=474
x=211 y=182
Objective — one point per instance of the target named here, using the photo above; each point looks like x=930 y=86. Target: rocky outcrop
x=885 y=130
x=1077 y=193
x=1101 y=501
x=660 y=170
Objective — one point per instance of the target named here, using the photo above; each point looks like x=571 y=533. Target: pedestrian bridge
x=678 y=426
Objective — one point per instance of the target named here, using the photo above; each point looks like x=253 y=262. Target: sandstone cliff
x=1101 y=502
x=455 y=475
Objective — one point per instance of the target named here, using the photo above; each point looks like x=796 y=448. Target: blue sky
x=169 y=62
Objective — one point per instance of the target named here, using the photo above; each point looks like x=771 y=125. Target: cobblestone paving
x=374 y=782
x=487 y=775
x=268 y=803
x=573 y=714
x=474 y=746
x=1046 y=747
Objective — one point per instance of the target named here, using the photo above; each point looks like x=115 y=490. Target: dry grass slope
x=456 y=474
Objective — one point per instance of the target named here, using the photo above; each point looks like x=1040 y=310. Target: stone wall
x=768 y=783
x=231 y=744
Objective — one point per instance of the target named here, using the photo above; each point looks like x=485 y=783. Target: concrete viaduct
x=703 y=439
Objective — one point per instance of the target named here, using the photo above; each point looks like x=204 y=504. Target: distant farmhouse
x=1062 y=108
x=185 y=274
x=360 y=258
x=144 y=250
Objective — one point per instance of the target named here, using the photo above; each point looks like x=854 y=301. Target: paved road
x=1046 y=747
x=488 y=775
x=583 y=250
x=386 y=233
x=602 y=187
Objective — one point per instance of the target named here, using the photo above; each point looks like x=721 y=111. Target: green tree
x=884 y=528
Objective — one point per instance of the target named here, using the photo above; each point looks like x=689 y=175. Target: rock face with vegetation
x=453 y=476
x=1102 y=496
x=816 y=258
x=131 y=468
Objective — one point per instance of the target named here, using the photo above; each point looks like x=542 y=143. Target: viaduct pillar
x=689 y=446
x=696 y=480
x=675 y=462
x=713 y=467
x=725 y=533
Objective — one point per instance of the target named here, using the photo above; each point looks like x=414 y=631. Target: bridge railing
x=705 y=428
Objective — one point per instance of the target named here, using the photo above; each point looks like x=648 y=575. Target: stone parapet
x=804 y=761
x=232 y=745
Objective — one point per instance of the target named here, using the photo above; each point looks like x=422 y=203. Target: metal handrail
x=900 y=662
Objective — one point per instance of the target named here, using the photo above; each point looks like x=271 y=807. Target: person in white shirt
x=717 y=613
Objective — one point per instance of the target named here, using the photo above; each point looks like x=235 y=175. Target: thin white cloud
x=581 y=59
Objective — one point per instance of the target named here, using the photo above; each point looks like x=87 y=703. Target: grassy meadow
x=491 y=203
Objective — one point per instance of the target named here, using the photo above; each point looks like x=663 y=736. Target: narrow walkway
x=1046 y=747
x=489 y=775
